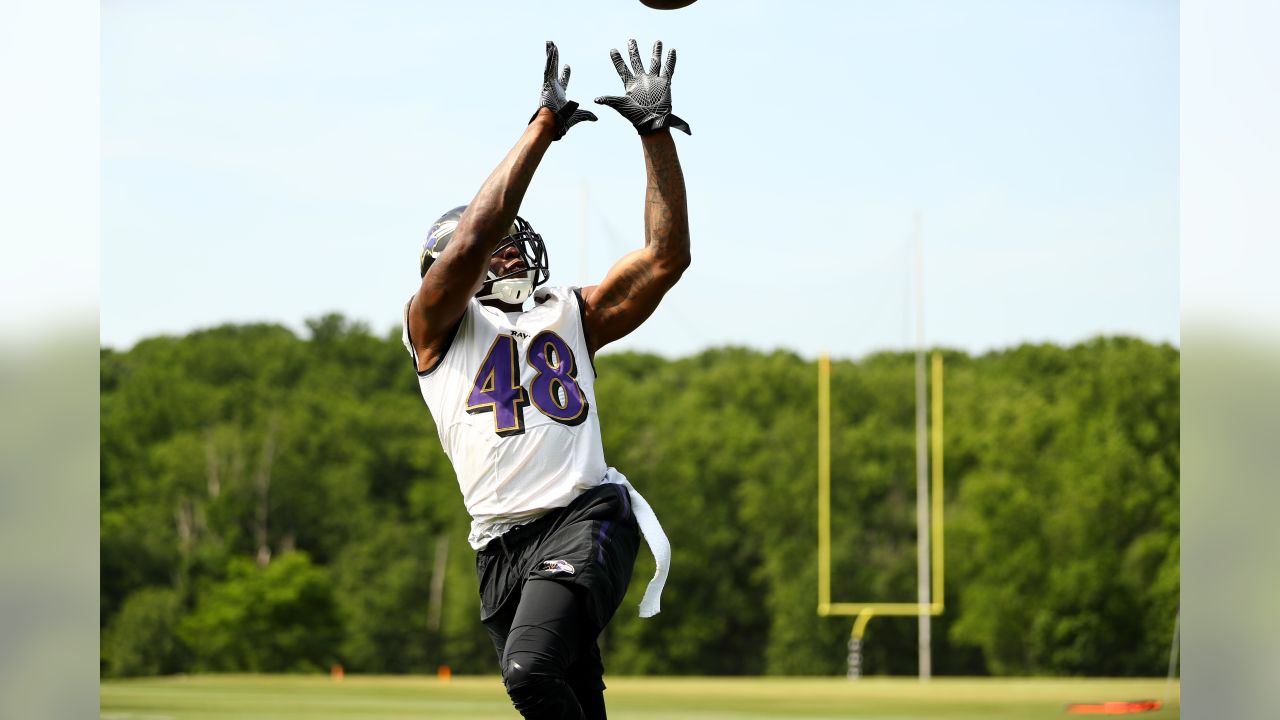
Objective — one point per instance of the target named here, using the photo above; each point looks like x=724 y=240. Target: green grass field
x=289 y=697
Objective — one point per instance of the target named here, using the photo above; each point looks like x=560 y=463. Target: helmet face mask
x=512 y=288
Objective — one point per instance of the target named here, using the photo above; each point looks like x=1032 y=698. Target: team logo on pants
x=556 y=566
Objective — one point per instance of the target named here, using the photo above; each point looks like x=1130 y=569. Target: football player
x=505 y=364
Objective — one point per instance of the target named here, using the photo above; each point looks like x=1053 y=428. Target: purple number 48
x=554 y=390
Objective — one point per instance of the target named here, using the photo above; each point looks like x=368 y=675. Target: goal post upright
x=824 y=483
x=865 y=611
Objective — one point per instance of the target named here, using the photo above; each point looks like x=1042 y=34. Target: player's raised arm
x=451 y=279
x=634 y=286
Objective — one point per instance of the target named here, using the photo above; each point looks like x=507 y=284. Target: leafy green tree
x=1067 y=519
x=284 y=502
x=382 y=588
x=278 y=618
x=142 y=638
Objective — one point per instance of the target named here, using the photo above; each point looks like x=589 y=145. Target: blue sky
x=276 y=161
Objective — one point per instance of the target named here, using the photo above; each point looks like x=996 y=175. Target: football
x=667 y=4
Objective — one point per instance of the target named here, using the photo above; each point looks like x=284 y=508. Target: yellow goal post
x=864 y=611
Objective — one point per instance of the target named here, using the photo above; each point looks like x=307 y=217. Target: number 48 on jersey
x=554 y=390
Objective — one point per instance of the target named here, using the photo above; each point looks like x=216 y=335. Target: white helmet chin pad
x=513 y=290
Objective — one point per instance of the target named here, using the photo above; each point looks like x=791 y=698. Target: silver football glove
x=647 y=103
x=566 y=111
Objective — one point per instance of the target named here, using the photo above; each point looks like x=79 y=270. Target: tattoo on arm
x=634 y=275
x=666 y=210
x=633 y=288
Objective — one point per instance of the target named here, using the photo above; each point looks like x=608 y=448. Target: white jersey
x=514 y=403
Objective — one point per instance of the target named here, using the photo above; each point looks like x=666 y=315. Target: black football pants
x=550 y=661
x=547 y=589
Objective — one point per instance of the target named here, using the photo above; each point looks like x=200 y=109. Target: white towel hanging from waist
x=657 y=540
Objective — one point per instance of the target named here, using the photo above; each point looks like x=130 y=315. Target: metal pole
x=922 y=467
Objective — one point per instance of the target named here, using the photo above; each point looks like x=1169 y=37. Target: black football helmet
x=513 y=288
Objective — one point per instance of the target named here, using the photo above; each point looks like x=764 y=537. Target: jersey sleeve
x=404 y=334
x=409 y=345
x=581 y=308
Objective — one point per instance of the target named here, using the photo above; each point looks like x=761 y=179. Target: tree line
x=277 y=503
